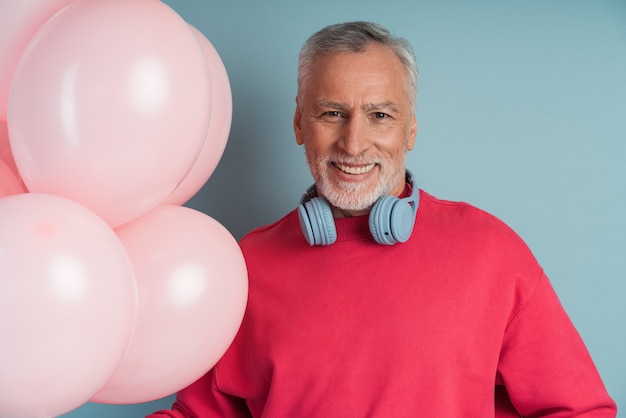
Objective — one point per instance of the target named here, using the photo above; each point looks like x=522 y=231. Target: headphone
x=390 y=221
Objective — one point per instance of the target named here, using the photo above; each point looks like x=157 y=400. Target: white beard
x=355 y=197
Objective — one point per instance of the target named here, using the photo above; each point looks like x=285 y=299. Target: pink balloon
x=110 y=106
x=219 y=126
x=9 y=183
x=5 y=148
x=68 y=303
x=193 y=288
x=19 y=20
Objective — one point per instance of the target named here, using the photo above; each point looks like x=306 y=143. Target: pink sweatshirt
x=460 y=321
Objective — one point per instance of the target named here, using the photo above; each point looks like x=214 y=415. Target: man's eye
x=380 y=115
x=332 y=116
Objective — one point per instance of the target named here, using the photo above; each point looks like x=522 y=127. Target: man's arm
x=203 y=399
x=545 y=365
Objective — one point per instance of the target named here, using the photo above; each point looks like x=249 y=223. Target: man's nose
x=354 y=136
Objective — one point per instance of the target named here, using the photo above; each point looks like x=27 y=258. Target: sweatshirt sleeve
x=203 y=399
x=545 y=365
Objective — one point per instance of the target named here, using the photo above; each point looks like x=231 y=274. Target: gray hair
x=355 y=37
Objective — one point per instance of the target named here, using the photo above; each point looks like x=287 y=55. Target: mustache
x=348 y=159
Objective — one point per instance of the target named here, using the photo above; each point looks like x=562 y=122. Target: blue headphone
x=390 y=221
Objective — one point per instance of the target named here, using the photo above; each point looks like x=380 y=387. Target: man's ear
x=412 y=134
x=297 y=124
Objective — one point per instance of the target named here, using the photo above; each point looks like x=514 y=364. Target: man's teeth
x=355 y=170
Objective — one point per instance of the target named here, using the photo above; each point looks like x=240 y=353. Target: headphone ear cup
x=316 y=221
x=391 y=220
x=379 y=220
x=305 y=224
x=402 y=220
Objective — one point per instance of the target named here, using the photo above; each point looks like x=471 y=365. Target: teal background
x=522 y=112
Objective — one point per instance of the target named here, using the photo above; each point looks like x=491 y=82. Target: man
x=376 y=299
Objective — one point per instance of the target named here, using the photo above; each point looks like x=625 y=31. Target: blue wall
x=522 y=111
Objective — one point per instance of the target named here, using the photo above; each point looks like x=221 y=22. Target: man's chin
x=351 y=206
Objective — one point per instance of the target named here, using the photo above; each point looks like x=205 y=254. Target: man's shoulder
x=462 y=218
x=271 y=233
x=454 y=209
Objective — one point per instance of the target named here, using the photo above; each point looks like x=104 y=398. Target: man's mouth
x=351 y=169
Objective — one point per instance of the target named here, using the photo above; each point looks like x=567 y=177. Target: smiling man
x=376 y=299
x=355 y=117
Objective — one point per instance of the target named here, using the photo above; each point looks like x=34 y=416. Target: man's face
x=355 y=120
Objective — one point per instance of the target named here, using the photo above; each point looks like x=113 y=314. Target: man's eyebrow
x=369 y=107
x=330 y=105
